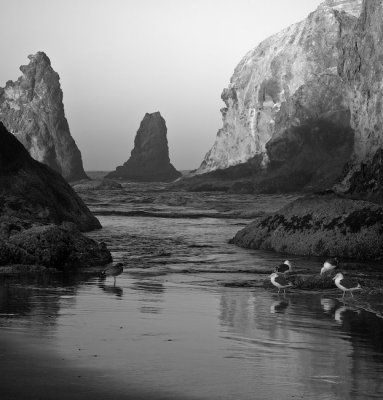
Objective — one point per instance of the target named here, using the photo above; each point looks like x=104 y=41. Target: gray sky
x=119 y=59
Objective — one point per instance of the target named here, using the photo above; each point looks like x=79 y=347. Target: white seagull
x=280 y=282
x=347 y=285
x=285 y=267
x=329 y=265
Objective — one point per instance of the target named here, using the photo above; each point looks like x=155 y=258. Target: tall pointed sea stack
x=32 y=109
x=149 y=160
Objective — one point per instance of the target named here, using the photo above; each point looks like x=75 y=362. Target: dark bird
x=280 y=282
x=284 y=268
x=346 y=284
x=113 y=270
x=329 y=265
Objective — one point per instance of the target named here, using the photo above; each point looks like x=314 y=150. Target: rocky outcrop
x=40 y=214
x=287 y=107
x=60 y=247
x=361 y=68
x=149 y=160
x=288 y=81
x=30 y=192
x=32 y=109
x=319 y=226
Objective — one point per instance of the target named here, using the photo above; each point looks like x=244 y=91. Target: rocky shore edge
x=42 y=219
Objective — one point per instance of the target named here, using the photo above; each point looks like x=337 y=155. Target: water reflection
x=331 y=343
x=111 y=289
x=279 y=306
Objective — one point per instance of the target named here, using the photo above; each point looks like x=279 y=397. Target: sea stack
x=32 y=109
x=149 y=160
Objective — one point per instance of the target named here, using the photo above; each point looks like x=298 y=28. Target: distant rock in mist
x=32 y=109
x=41 y=216
x=149 y=160
x=288 y=108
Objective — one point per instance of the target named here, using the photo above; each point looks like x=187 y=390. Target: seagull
x=280 y=282
x=283 y=268
x=347 y=285
x=113 y=270
x=329 y=265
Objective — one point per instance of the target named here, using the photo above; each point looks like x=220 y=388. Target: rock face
x=319 y=226
x=287 y=106
x=32 y=109
x=40 y=214
x=361 y=67
x=149 y=160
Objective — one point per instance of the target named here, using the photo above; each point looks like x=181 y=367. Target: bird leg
x=279 y=289
x=343 y=294
x=351 y=293
x=114 y=282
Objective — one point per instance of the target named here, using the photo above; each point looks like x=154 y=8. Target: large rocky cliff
x=32 y=109
x=149 y=160
x=288 y=107
x=361 y=67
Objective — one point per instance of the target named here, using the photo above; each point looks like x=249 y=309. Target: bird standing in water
x=113 y=270
x=346 y=284
x=329 y=265
x=284 y=268
x=280 y=282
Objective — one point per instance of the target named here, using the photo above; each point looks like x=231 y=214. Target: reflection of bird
x=278 y=307
x=115 y=290
x=280 y=282
x=327 y=304
x=329 y=265
x=285 y=267
x=113 y=270
x=347 y=285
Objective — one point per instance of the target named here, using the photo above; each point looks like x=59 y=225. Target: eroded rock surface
x=319 y=226
x=149 y=160
x=32 y=109
x=361 y=66
x=290 y=80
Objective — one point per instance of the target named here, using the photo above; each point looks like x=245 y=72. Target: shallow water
x=169 y=328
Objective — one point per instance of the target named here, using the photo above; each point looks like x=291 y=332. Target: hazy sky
x=118 y=59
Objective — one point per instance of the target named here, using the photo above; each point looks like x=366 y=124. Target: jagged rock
x=319 y=226
x=362 y=68
x=30 y=192
x=32 y=109
x=287 y=106
x=149 y=160
x=275 y=82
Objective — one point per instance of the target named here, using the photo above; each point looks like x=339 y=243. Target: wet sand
x=30 y=371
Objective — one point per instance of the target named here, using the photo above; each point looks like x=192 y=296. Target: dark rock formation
x=61 y=247
x=30 y=192
x=40 y=214
x=362 y=68
x=149 y=160
x=319 y=226
x=32 y=109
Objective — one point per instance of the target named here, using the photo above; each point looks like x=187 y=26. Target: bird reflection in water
x=111 y=289
x=279 y=307
x=341 y=311
x=328 y=305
